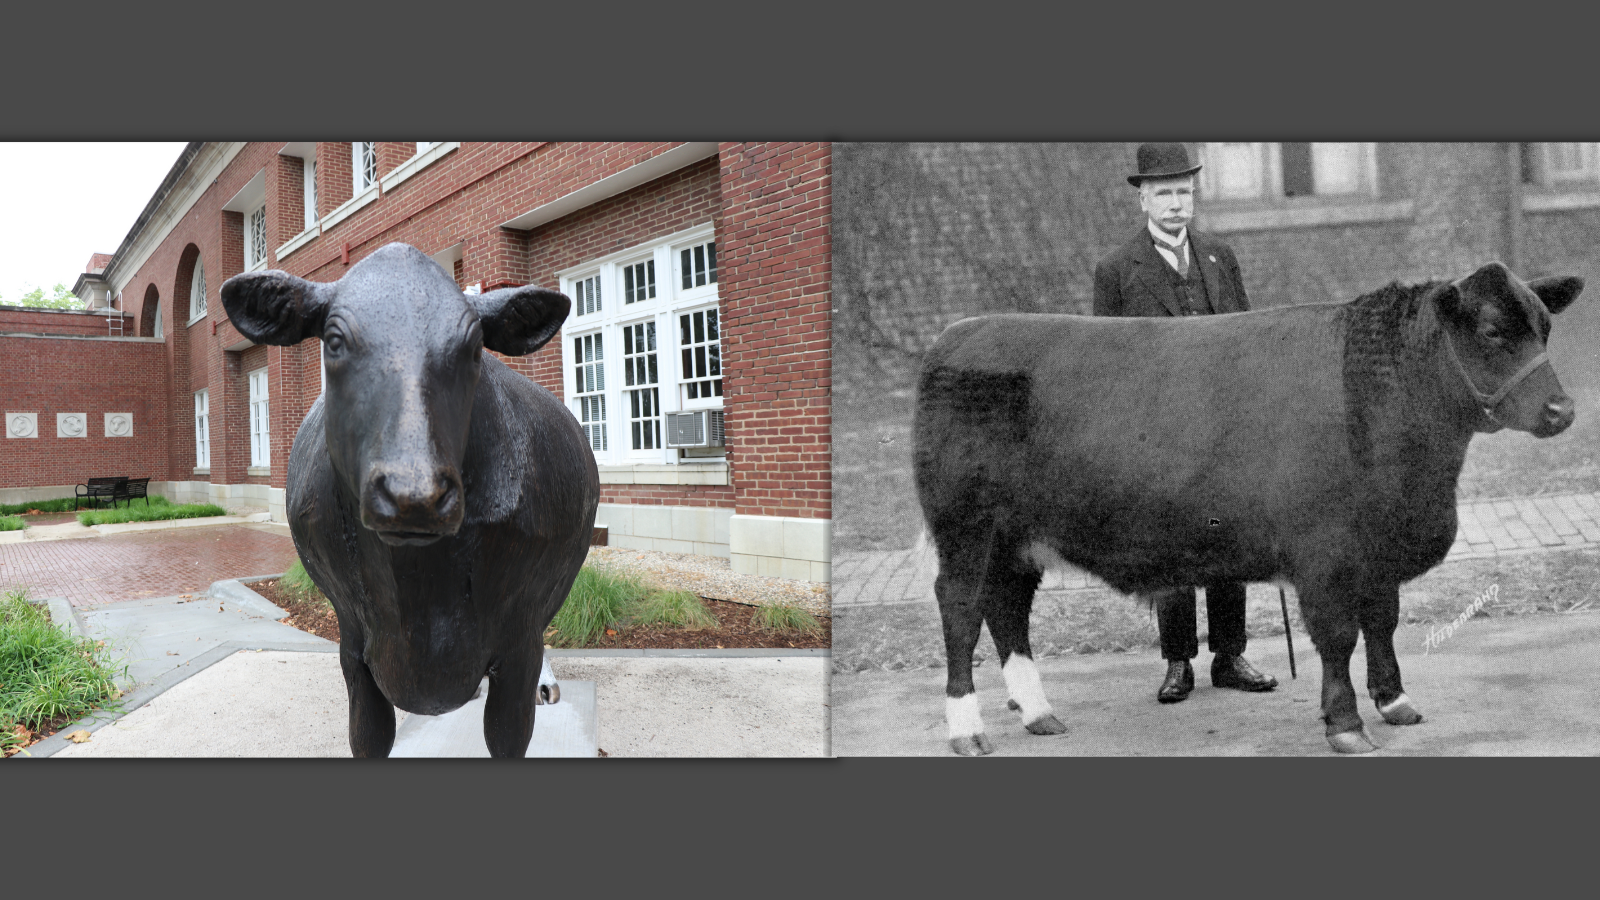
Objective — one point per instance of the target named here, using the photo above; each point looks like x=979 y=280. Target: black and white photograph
x=1215 y=449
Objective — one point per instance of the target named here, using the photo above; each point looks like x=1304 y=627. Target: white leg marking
x=549 y=689
x=962 y=715
x=1024 y=687
x=1395 y=704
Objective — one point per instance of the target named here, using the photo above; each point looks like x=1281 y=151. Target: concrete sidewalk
x=1504 y=687
x=215 y=675
x=1485 y=528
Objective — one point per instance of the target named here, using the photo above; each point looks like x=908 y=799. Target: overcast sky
x=59 y=203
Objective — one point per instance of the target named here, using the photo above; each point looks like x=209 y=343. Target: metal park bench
x=100 y=488
x=133 y=490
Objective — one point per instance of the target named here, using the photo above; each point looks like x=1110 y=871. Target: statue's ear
x=1557 y=291
x=275 y=307
x=518 y=321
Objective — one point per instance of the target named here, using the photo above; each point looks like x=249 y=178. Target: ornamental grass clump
x=784 y=617
x=160 y=509
x=47 y=677
x=679 y=609
x=297 y=583
x=599 y=600
x=11 y=523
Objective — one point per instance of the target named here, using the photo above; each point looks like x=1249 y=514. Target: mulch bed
x=735 y=630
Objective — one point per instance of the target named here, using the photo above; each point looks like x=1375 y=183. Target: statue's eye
x=333 y=342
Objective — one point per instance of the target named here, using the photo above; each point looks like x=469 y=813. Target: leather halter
x=1488 y=402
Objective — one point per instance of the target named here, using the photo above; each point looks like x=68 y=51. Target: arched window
x=197 y=290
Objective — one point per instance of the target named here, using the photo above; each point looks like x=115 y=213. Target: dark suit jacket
x=1134 y=280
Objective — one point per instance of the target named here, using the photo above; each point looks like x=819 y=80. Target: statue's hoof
x=972 y=745
x=548 y=694
x=1400 y=712
x=1046 y=724
x=1355 y=741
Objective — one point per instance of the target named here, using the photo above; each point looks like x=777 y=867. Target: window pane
x=1336 y=168
x=688 y=271
x=700 y=362
x=711 y=255
x=699 y=327
x=699 y=266
x=711 y=324
x=1235 y=170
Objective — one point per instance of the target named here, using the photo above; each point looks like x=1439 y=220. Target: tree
x=63 y=299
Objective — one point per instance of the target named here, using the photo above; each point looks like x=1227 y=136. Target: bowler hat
x=1162 y=161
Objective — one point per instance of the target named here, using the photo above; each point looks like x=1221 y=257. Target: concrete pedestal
x=566 y=729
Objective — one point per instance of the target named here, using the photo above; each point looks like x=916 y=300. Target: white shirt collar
x=1166 y=240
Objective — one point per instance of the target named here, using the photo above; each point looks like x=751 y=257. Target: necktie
x=1182 y=257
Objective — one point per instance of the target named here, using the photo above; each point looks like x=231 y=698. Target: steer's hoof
x=972 y=745
x=1400 y=712
x=1356 y=741
x=1046 y=724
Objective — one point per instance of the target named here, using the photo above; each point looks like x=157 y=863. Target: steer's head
x=402 y=345
x=1496 y=328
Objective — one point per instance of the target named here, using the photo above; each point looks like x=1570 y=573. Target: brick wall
x=774 y=284
x=47 y=376
x=58 y=321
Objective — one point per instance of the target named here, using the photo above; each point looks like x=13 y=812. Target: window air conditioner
x=700 y=428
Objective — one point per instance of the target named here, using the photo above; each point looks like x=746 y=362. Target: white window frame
x=197 y=290
x=1256 y=170
x=614 y=314
x=359 y=171
x=202 y=429
x=309 y=191
x=255 y=242
x=260 y=419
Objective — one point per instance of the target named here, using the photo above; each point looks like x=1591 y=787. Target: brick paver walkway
x=91 y=571
x=1487 y=528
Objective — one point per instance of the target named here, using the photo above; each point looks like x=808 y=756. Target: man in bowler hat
x=1166 y=269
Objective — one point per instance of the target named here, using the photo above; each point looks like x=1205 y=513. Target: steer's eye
x=332 y=343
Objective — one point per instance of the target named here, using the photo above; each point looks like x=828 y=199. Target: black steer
x=1316 y=444
x=441 y=501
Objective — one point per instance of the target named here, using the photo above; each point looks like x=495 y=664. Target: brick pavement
x=92 y=571
x=1486 y=528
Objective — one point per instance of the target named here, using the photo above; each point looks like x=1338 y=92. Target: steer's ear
x=1557 y=291
x=1465 y=297
x=518 y=321
x=275 y=307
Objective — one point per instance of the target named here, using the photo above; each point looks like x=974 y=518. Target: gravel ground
x=710 y=576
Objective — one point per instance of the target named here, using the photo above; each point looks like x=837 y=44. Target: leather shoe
x=1234 y=672
x=1178 y=683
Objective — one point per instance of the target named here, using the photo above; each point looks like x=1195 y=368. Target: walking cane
x=1288 y=635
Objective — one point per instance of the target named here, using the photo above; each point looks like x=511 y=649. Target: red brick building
x=700 y=274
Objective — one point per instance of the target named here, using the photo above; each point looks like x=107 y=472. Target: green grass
x=46 y=675
x=679 y=609
x=160 y=508
x=783 y=617
x=61 y=505
x=11 y=523
x=600 y=598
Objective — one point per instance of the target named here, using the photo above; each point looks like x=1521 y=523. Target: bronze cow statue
x=442 y=502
